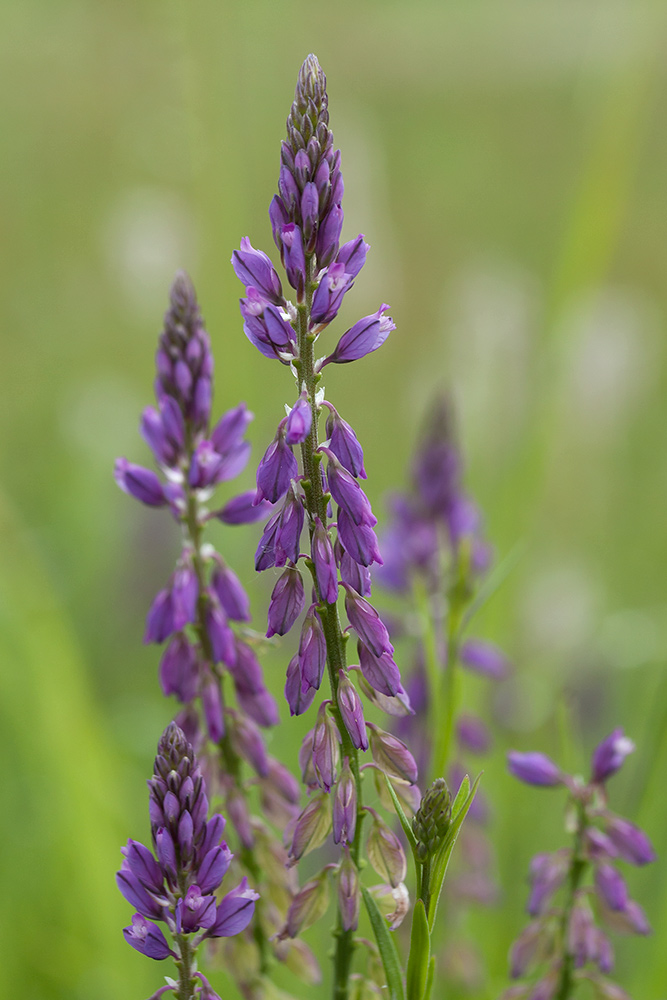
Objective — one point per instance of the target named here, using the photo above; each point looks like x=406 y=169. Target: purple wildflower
x=175 y=885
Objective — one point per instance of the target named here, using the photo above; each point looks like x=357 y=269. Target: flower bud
x=309 y=904
x=609 y=755
x=142 y=484
x=385 y=851
x=367 y=623
x=432 y=819
x=352 y=711
x=287 y=601
x=312 y=651
x=345 y=806
x=276 y=470
x=312 y=827
x=631 y=843
x=326 y=741
x=299 y=421
x=349 y=892
x=326 y=571
x=298 y=700
x=534 y=769
x=391 y=755
x=364 y=337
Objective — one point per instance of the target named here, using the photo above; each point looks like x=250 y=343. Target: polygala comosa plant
x=383 y=770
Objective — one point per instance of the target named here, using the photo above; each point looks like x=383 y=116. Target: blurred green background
x=506 y=159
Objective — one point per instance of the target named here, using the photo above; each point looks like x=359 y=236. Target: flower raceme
x=175 y=883
x=324 y=495
x=569 y=933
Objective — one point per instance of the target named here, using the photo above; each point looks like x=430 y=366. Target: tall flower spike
x=306 y=218
x=206 y=661
x=176 y=885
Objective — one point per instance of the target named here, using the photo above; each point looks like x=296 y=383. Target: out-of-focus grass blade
x=387 y=948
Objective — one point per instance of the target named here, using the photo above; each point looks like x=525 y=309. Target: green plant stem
x=317 y=503
x=186 y=967
x=577 y=869
x=230 y=761
x=446 y=692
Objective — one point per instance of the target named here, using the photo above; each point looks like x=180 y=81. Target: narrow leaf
x=420 y=953
x=431 y=977
x=386 y=947
x=444 y=854
x=461 y=796
x=404 y=821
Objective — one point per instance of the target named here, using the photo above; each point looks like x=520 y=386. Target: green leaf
x=404 y=821
x=461 y=796
x=430 y=979
x=420 y=953
x=441 y=860
x=387 y=948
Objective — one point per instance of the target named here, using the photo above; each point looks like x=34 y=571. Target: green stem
x=316 y=504
x=446 y=693
x=186 y=968
x=230 y=761
x=577 y=869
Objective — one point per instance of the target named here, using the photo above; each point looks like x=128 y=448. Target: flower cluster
x=564 y=943
x=202 y=613
x=435 y=553
x=307 y=217
x=176 y=883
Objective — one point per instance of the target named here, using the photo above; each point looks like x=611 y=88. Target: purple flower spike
x=312 y=651
x=344 y=445
x=608 y=757
x=363 y=338
x=253 y=267
x=534 y=769
x=286 y=604
x=345 y=806
x=235 y=911
x=367 y=623
x=483 y=658
x=299 y=421
x=325 y=564
x=276 y=470
x=352 y=711
x=142 y=484
x=330 y=292
x=147 y=938
x=631 y=843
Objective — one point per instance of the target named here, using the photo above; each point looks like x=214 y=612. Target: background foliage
x=506 y=161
